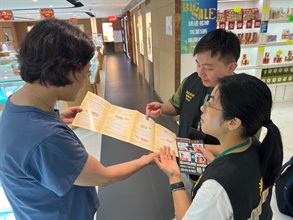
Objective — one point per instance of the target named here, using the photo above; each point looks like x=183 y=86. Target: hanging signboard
x=112 y=18
x=149 y=32
x=140 y=33
x=197 y=19
x=47 y=13
x=73 y=20
x=6 y=15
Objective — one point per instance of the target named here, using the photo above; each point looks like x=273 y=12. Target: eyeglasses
x=207 y=104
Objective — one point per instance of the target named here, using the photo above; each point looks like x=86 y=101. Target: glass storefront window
x=6 y=212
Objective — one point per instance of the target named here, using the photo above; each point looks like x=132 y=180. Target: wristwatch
x=176 y=186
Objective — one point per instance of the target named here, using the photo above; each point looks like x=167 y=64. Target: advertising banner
x=197 y=19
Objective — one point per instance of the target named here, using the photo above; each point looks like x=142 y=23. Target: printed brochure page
x=127 y=125
x=191 y=160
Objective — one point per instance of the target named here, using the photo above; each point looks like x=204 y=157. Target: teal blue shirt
x=40 y=159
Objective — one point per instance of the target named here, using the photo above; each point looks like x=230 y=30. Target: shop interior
x=123 y=33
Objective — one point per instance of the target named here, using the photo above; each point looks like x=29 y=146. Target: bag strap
x=288 y=163
x=288 y=188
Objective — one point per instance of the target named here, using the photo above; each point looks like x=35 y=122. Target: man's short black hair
x=222 y=43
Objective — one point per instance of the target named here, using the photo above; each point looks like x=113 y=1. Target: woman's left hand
x=168 y=164
x=68 y=115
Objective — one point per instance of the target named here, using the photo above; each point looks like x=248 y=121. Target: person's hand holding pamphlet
x=127 y=125
x=191 y=160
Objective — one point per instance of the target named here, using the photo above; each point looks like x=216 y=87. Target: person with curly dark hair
x=45 y=170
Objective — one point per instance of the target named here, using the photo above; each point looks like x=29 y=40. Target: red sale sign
x=6 y=15
x=47 y=13
x=112 y=18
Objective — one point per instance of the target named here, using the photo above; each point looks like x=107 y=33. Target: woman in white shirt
x=237 y=183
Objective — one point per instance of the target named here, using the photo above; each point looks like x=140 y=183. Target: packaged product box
x=239 y=24
x=222 y=24
x=277 y=13
x=289 y=57
x=244 y=61
x=4 y=54
x=253 y=38
x=269 y=80
x=231 y=25
x=250 y=14
x=220 y=16
x=264 y=72
x=270 y=72
x=258 y=23
x=247 y=37
x=284 y=78
x=274 y=79
x=264 y=79
x=266 y=59
x=285 y=34
x=263 y=26
x=240 y=37
x=248 y=24
x=290 y=12
x=286 y=70
x=278 y=59
x=231 y=15
x=280 y=79
x=290 y=74
x=271 y=38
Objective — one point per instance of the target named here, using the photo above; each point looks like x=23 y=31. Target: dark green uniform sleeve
x=176 y=98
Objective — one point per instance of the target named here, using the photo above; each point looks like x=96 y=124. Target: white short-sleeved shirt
x=211 y=202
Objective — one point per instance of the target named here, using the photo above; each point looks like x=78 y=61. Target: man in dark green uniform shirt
x=216 y=56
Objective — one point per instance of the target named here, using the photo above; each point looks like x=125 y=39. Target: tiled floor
x=145 y=195
x=282 y=116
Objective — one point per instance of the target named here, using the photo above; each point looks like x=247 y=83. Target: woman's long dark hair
x=249 y=99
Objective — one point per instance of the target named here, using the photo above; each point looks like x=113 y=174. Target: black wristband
x=176 y=186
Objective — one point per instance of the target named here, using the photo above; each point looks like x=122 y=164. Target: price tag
x=288 y=42
x=279 y=52
x=291 y=18
x=265 y=9
x=237 y=9
x=261 y=49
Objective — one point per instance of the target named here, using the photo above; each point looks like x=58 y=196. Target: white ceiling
x=29 y=9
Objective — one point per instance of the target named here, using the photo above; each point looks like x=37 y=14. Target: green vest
x=192 y=97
